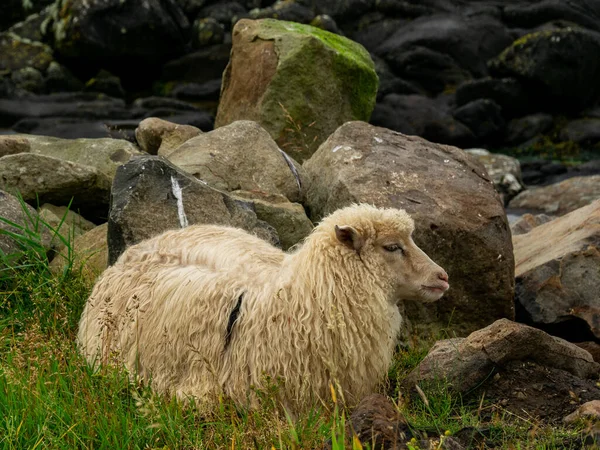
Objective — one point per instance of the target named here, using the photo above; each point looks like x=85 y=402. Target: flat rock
x=104 y=154
x=556 y=268
x=150 y=195
x=240 y=156
x=157 y=136
x=51 y=180
x=560 y=198
x=299 y=82
x=466 y=362
x=447 y=193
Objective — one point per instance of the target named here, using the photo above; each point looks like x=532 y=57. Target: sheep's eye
x=394 y=248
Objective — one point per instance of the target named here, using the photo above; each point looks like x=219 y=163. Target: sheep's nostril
x=443 y=276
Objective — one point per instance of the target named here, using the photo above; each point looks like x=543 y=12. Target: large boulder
x=560 y=198
x=240 y=156
x=299 y=82
x=557 y=274
x=150 y=195
x=51 y=180
x=118 y=34
x=460 y=220
x=558 y=65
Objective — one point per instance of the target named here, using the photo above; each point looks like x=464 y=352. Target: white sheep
x=197 y=317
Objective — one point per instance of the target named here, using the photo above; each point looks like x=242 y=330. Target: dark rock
x=28 y=79
x=66 y=128
x=523 y=129
x=191 y=8
x=60 y=79
x=150 y=195
x=13 y=11
x=531 y=14
x=223 y=12
x=67 y=106
x=422 y=116
x=142 y=105
x=105 y=83
x=375 y=28
x=200 y=66
x=582 y=131
x=557 y=66
x=389 y=83
x=447 y=193
x=127 y=37
x=483 y=117
x=343 y=9
x=18 y=53
x=195 y=92
x=593 y=348
x=377 y=422
x=284 y=10
x=207 y=31
x=430 y=69
x=469 y=41
x=31 y=27
x=408 y=9
x=325 y=22
x=508 y=93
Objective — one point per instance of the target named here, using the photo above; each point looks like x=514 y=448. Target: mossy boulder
x=299 y=82
x=561 y=67
x=18 y=53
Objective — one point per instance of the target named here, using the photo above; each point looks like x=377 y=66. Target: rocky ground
x=187 y=111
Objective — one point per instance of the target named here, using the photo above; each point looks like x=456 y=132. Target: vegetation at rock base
x=50 y=398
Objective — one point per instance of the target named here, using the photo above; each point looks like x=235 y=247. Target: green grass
x=50 y=398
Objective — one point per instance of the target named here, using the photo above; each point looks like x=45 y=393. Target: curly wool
x=318 y=316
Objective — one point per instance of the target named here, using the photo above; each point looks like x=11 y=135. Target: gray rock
x=560 y=198
x=483 y=117
x=64 y=221
x=466 y=362
x=241 y=156
x=507 y=93
x=582 y=131
x=51 y=180
x=556 y=268
x=504 y=170
x=525 y=128
x=288 y=219
x=528 y=222
x=150 y=195
x=454 y=206
x=25 y=217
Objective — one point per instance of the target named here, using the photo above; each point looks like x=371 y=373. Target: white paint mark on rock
x=178 y=194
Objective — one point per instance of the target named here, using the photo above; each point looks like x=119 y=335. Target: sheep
x=324 y=314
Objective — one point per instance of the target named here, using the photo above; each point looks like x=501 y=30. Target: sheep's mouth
x=438 y=288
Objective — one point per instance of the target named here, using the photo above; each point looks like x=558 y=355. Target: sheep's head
x=382 y=239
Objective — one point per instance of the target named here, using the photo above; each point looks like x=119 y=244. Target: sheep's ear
x=349 y=237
